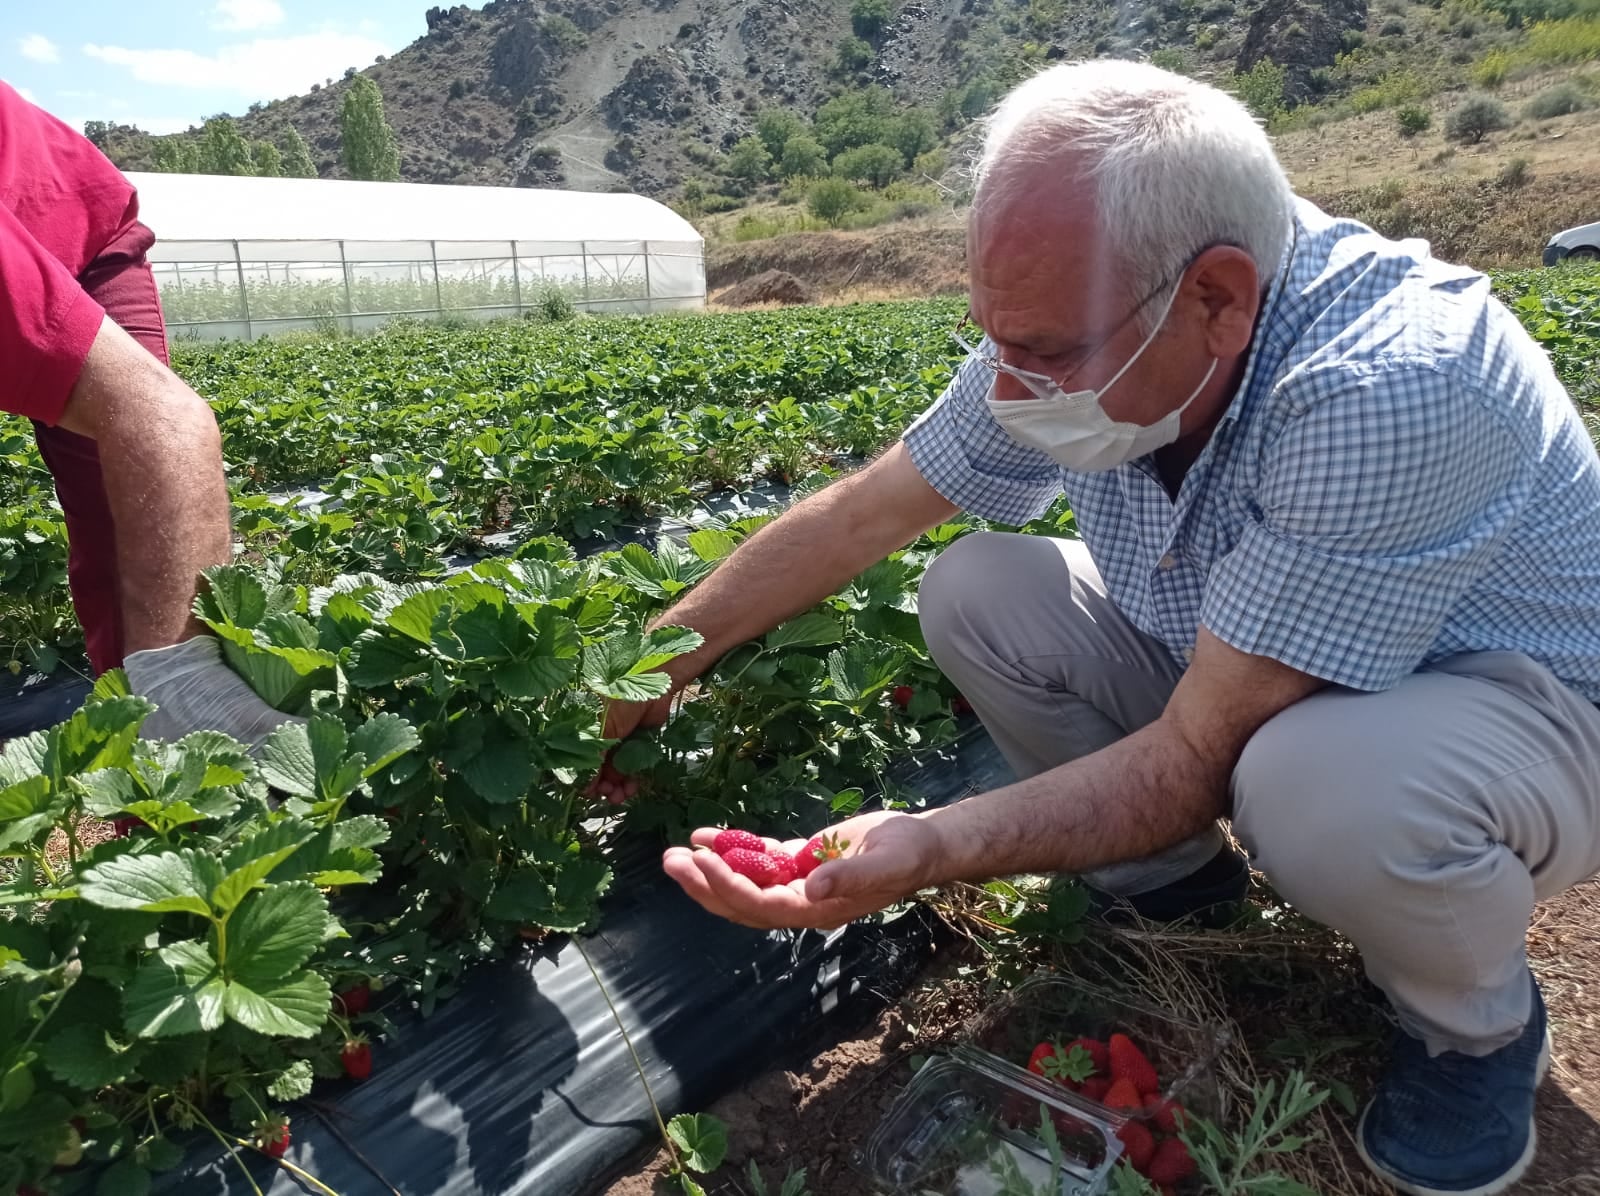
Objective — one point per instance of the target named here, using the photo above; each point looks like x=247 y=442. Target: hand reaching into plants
x=889 y=856
x=622 y=720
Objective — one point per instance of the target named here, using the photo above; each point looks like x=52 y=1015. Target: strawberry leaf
x=382 y=740
x=88 y=1057
x=560 y=895
x=811 y=630
x=415 y=617
x=378 y=659
x=293 y=1082
x=178 y=990
x=861 y=669
x=274 y=932
x=172 y=882
x=501 y=772
x=253 y=860
x=701 y=1139
x=295 y=1008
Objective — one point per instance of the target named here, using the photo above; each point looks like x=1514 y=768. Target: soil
x=817 y=1115
x=775 y=287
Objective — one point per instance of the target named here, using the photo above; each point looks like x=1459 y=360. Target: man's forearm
x=808 y=553
x=161 y=463
x=1137 y=796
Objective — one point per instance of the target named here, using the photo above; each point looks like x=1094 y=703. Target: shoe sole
x=1494 y=1186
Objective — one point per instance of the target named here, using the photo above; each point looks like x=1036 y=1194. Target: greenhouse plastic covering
x=242 y=257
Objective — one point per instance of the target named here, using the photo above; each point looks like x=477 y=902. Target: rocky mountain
x=642 y=94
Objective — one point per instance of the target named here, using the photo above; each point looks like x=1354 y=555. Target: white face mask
x=1074 y=429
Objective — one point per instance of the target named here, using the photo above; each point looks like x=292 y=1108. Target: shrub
x=564 y=33
x=555 y=307
x=1560 y=100
x=1260 y=88
x=854 y=55
x=1394 y=27
x=775 y=126
x=1575 y=39
x=1491 y=69
x=932 y=164
x=832 y=200
x=802 y=157
x=1413 y=119
x=749 y=161
x=1171 y=58
x=868 y=17
x=458 y=89
x=1475 y=119
x=1514 y=174
x=861 y=116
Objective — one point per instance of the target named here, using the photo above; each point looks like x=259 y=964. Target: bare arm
x=161 y=460
x=1152 y=789
x=806 y=554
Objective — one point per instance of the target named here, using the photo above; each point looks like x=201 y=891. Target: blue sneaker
x=1457 y=1125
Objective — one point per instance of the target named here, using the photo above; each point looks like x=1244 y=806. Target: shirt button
x=1168 y=562
x=1188 y=656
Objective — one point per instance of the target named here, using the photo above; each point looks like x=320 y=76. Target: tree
x=297 y=163
x=176 y=155
x=775 y=126
x=802 y=157
x=913 y=133
x=1413 y=119
x=832 y=200
x=854 y=56
x=369 y=146
x=868 y=17
x=223 y=149
x=1476 y=119
x=268 y=161
x=749 y=162
x=876 y=165
x=858 y=117
x=1261 y=88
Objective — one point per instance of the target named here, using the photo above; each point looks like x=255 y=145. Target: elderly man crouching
x=1339 y=581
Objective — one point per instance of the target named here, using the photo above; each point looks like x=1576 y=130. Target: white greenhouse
x=243 y=257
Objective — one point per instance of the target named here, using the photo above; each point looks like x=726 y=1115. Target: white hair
x=1176 y=165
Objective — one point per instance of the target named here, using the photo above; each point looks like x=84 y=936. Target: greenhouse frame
x=239 y=258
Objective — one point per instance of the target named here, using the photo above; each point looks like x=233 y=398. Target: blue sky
x=164 y=65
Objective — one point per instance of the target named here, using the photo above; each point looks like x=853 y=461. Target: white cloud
x=39 y=48
x=261 y=69
x=240 y=16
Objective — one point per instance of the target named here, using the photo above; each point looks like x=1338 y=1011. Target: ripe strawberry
x=757 y=865
x=1171 y=1162
x=1123 y=1095
x=1068 y=1066
x=819 y=850
x=1128 y=1062
x=274 y=1138
x=1138 y=1145
x=352 y=1001
x=1165 y=1114
x=1096 y=1088
x=787 y=866
x=357 y=1057
x=1045 y=1050
x=901 y=696
x=732 y=840
x=959 y=706
x=1097 y=1052
x=121 y=828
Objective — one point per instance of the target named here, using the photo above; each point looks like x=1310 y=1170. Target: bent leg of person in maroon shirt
x=119 y=280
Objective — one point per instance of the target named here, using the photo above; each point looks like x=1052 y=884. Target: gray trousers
x=1422 y=822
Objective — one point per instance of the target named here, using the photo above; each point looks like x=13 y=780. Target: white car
x=1581 y=244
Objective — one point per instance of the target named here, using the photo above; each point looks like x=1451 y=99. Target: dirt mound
x=770 y=286
x=899 y=262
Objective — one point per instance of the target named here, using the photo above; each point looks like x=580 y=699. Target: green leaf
x=100 y=735
x=701 y=1139
x=123 y=1178
x=862 y=668
x=87 y=1057
x=378 y=659
x=666 y=643
x=623 y=667
x=176 y=991
x=293 y=1083
x=558 y=896
x=24 y=798
x=16 y=1086
x=233 y=594
x=711 y=544
x=274 y=932
x=635 y=755
x=414 y=618
x=113 y=683
x=311 y=760
x=382 y=740
x=811 y=630
x=171 y=882
x=294 y=1008
x=502 y=772
x=159 y=1154
x=253 y=860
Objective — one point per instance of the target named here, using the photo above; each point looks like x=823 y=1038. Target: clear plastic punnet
x=977 y=1122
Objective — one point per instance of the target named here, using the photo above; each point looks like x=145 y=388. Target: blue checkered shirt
x=1399 y=477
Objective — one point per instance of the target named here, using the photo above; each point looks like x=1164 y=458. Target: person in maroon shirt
x=136 y=455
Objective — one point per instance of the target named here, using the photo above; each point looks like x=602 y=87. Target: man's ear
x=1225 y=282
